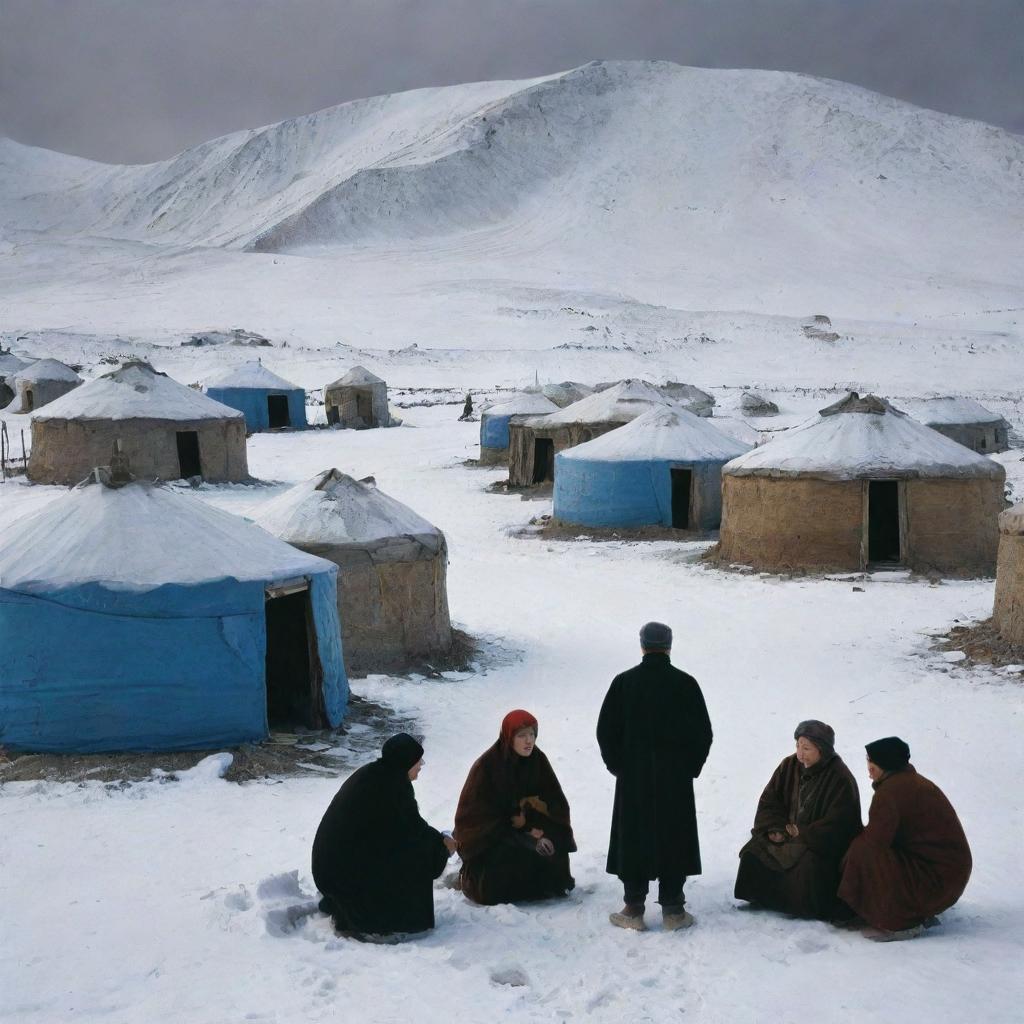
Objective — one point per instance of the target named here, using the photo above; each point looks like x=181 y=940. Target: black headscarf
x=401 y=752
x=890 y=754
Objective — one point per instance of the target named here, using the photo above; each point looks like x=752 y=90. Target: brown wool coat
x=912 y=860
x=801 y=876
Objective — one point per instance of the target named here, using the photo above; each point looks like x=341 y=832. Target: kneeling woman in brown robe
x=912 y=860
x=806 y=817
x=512 y=824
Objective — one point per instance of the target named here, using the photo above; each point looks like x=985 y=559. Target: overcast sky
x=138 y=80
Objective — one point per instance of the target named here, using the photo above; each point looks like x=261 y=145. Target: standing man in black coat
x=655 y=734
x=374 y=858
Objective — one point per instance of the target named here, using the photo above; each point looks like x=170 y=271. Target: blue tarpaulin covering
x=253 y=404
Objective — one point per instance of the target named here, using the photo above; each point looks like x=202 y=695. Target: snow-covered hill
x=474 y=216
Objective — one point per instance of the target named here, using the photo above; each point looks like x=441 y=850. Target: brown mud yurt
x=165 y=429
x=43 y=382
x=1008 y=613
x=358 y=400
x=863 y=485
x=392 y=592
x=534 y=442
x=964 y=420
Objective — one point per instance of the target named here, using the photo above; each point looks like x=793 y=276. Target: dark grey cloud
x=136 y=80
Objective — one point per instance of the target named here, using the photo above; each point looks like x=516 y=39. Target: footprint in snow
x=511 y=975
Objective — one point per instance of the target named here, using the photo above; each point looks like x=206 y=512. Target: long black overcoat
x=655 y=735
x=375 y=858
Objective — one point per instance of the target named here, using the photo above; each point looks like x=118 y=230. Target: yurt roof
x=334 y=509
x=950 y=411
x=135 y=391
x=48 y=369
x=358 y=376
x=618 y=404
x=10 y=364
x=566 y=392
x=527 y=404
x=665 y=434
x=863 y=437
x=252 y=375
x=139 y=537
x=1012 y=520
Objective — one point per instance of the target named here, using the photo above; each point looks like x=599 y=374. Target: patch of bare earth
x=982 y=644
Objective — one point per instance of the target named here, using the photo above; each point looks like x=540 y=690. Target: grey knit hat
x=656 y=636
x=821 y=735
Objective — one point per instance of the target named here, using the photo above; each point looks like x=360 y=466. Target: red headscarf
x=513 y=722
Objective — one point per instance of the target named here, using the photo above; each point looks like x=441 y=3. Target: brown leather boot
x=630 y=916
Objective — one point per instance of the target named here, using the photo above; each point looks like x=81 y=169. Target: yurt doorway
x=189 y=464
x=29 y=401
x=884 y=522
x=277 y=411
x=682 y=485
x=292 y=694
x=543 y=460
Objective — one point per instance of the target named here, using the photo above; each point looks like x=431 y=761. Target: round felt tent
x=180 y=626
x=566 y=392
x=392 y=593
x=494 y=421
x=963 y=420
x=862 y=485
x=267 y=401
x=663 y=469
x=10 y=364
x=166 y=430
x=358 y=400
x=534 y=441
x=1008 y=612
x=43 y=382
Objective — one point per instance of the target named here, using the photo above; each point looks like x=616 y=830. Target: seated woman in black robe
x=374 y=857
x=512 y=824
x=807 y=816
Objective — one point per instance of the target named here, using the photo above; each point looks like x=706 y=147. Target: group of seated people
x=375 y=858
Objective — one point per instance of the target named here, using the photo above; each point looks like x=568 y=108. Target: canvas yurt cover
x=964 y=420
x=392 y=591
x=566 y=392
x=137 y=618
x=862 y=485
x=358 y=400
x=43 y=382
x=1008 y=612
x=267 y=401
x=534 y=442
x=494 y=421
x=166 y=430
x=663 y=469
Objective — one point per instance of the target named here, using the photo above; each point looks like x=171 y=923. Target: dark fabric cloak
x=800 y=876
x=375 y=858
x=912 y=860
x=655 y=735
x=500 y=864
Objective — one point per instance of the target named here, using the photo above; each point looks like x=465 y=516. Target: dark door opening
x=277 y=411
x=30 y=400
x=682 y=482
x=189 y=464
x=290 y=681
x=884 y=521
x=543 y=460
x=333 y=414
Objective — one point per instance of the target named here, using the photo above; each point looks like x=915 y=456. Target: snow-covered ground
x=164 y=901
x=617 y=220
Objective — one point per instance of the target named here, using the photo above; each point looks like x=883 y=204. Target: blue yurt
x=662 y=469
x=138 y=618
x=494 y=421
x=267 y=401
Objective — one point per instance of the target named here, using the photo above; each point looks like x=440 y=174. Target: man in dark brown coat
x=912 y=860
x=655 y=735
x=806 y=817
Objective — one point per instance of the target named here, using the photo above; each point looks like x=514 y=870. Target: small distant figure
x=374 y=857
x=912 y=860
x=512 y=824
x=655 y=735
x=806 y=818
x=467 y=408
